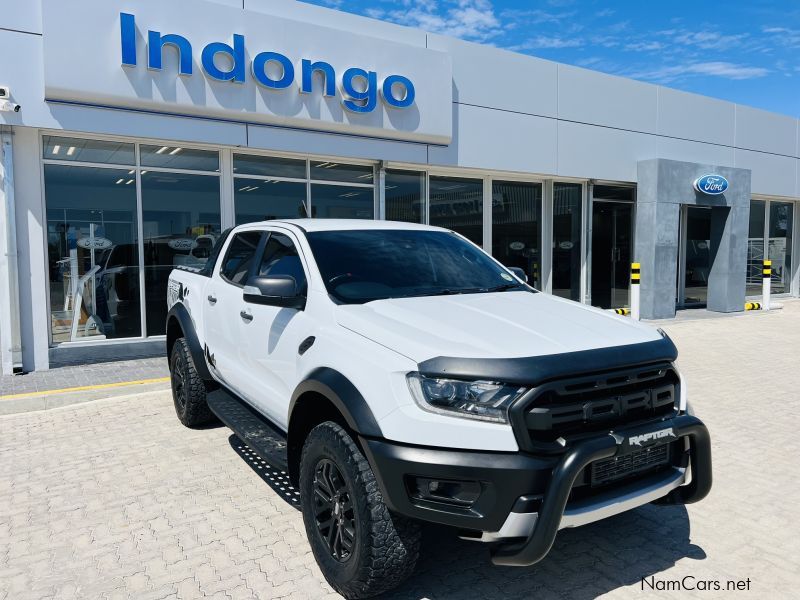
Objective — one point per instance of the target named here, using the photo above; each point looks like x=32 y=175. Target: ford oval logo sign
x=711 y=184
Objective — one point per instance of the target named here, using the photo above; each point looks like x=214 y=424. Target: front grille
x=620 y=467
x=561 y=411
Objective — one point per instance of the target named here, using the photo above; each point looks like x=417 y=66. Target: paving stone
x=116 y=499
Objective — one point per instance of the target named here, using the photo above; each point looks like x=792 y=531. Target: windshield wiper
x=502 y=287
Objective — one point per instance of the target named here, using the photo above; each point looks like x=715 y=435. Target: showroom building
x=145 y=128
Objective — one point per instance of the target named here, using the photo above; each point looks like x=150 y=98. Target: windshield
x=364 y=265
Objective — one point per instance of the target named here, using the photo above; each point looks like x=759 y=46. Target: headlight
x=484 y=400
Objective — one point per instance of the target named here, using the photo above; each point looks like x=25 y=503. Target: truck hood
x=494 y=325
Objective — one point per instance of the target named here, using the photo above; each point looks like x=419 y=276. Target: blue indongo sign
x=711 y=184
x=360 y=87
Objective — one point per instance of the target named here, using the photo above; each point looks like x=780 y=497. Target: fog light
x=457 y=493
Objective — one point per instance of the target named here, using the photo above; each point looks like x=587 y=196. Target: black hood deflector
x=534 y=370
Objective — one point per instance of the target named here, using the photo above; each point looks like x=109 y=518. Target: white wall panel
x=772 y=174
x=495 y=139
x=307 y=142
x=698 y=152
x=592 y=97
x=769 y=132
x=486 y=76
x=138 y=124
x=31 y=244
x=600 y=152
x=21 y=15
x=694 y=117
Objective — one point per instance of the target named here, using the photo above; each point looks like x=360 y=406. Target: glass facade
x=517 y=226
x=121 y=215
x=405 y=196
x=180 y=224
x=457 y=203
x=567 y=254
x=781 y=221
x=93 y=253
x=771 y=227
x=755 y=247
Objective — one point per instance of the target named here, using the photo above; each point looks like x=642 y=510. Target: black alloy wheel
x=179 y=381
x=334 y=512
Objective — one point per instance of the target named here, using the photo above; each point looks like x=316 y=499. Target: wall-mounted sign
x=95 y=243
x=566 y=245
x=190 y=57
x=517 y=245
x=712 y=185
x=273 y=70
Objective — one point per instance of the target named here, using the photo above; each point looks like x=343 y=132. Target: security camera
x=5 y=91
x=7 y=106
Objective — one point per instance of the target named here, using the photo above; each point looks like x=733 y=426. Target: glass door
x=779 y=247
x=696 y=255
x=611 y=253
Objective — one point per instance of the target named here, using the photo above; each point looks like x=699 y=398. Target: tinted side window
x=240 y=256
x=281 y=258
x=213 y=257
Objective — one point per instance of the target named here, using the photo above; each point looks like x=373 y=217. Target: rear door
x=272 y=336
x=223 y=306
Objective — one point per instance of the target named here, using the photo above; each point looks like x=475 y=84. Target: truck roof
x=346 y=224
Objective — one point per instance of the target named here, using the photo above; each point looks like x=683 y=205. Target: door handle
x=212 y=299
x=246 y=315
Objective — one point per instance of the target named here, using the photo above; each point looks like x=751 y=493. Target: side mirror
x=278 y=290
x=520 y=273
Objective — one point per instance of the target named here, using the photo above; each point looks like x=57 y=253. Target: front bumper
x=524 y=499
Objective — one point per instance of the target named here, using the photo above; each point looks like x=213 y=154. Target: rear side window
x=281 y=258
x=240 y=257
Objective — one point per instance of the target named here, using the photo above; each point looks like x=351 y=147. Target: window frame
x=268 y=233
x=259 y=251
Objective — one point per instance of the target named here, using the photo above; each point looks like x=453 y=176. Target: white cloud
x=726 y=70
x=550 y=42
x=467 y=19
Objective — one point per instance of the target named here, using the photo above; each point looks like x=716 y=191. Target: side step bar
x=253 y=429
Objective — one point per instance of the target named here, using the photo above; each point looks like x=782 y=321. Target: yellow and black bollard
x=636 y=275
x=752 y=305
x=766 y=277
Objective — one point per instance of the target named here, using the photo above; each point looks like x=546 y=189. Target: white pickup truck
x=399 y=374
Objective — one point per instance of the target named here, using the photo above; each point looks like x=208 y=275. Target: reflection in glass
x=567 y=202
x=405 y=196
x=698 y=254
x=261 y=200
x=342 y=202
x=755 y=247
x=516 y=226
x=178 y=157
x=269 y=166
x=93 y=260
x=96 y=151
x=780 y=245
x=457 y=204
x=181 y=218
x=333 y=171
x=612 y=238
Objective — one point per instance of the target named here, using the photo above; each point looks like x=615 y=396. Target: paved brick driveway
x=116 y=499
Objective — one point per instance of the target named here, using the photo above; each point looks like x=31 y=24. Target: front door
x=611 y=253
x=270 y=336
x=696 y=255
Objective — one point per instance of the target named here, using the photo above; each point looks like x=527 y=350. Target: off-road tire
x=188 y=390
x=386 y=545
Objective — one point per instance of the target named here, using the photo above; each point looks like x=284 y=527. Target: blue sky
x=743 y=51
